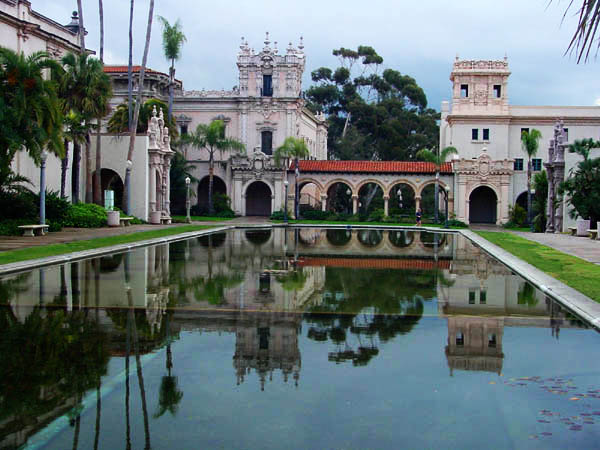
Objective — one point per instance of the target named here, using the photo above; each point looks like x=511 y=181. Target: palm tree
x=85 y=90
x=585 y=34
x=98 y=180
x=438 y=158
x=583 y=147
x=292 y=148
x=119 y=120
x=133 y=123
x=31 y=111
x=530 y=143
x=173 y=39
x=212 y=138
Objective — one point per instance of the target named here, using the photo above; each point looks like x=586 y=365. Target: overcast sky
x=418 y=38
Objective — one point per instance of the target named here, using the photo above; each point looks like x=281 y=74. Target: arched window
x=266 y=143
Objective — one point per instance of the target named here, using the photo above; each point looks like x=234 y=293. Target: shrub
x=457 y=223
x=376 y=216
x=10 y=227
x=316 y=215
x=19 y=205
x=277 y=215
x=225 y=213
x=517 y=216
x=85 y=215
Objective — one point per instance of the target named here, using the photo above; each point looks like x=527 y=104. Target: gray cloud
x=417 y=38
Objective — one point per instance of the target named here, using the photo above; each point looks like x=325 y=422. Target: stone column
x=504 y=184
x=323 y=202
x=355 y=204
x=386 y=200
x=462 y=201
x=152 y=188
x=417 y=202
x=168 y=185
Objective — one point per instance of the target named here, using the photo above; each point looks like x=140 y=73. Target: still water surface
x=301 y=339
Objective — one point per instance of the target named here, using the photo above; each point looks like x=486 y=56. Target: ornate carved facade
x=159 y=164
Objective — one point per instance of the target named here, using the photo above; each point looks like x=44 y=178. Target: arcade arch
x=402 y=199
x=370 y=197
x=219 y=187
x=258 y=199
x=339 y=198
x=111 y=181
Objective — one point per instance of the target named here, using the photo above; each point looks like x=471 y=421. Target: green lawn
x=181 y=219
x=44 y=251
x=575 y=272
x=380 y=224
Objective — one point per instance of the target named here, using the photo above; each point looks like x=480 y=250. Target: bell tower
x=480 y=87
x=268 y=73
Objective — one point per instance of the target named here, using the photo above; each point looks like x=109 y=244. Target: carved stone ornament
x=484 y=163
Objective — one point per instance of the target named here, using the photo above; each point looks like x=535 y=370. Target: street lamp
x=44 y=156
x=285 y=203
x=530 y=212
x=128 y=184
x=446 y=191
x=188 y=219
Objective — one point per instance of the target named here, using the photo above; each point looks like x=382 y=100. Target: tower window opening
x=497 y=91
x=464 y=90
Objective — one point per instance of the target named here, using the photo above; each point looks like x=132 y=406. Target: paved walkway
x=582 y=247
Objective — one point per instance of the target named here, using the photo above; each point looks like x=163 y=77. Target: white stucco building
x=490 y=172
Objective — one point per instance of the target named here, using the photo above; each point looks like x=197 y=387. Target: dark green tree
x=530 y=143
x=384 y=110
x=582 y=190
x=540 y=201
x=438 y=158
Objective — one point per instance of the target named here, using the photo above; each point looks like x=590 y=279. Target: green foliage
x=540 y=200
x=582 y=190
x=179 y=171
x=517 y=216
x=526 y=295
x=23 y=208
x=10 y=227
x=85 y=215
x=316 y=215
x=530 y=142
x=372 y=114
x=583 y=147
x=294 y=148
x=376 y=215
x=119 y=121
x=30 y=110
x=277 y=215
x=457 y=223
x=172 y=38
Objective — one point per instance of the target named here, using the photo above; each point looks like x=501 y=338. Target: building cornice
x=522 y=120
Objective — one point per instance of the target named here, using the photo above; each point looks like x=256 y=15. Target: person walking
x=419 y=217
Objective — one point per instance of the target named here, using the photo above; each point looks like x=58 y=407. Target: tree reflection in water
x=373 y=305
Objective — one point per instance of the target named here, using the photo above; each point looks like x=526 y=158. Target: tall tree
x=582 y=190
x=385 y=111
x=211 y=137
x=296 y=149
x=173 y=39
x=30 y=110
x=85 y=90
x=133 y=125
x=438 y=158
x=98 y=178
x=530 y=144
x=81 y=28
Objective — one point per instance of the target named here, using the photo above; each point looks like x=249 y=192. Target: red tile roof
x=376 y=263
x=371 y=166
x=124 y=69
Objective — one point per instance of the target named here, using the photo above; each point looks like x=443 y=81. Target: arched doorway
x=310 y=197
x=483 y=205
x=258 y=199
x=219 y=187
x=111 y=181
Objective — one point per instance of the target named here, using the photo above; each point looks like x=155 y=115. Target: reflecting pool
x=297 y=338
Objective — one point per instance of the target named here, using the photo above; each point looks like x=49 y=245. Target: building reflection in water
x=356 y=290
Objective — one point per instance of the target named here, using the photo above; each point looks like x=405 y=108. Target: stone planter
x=155 y=217
x=113 y=218
x=582 y=227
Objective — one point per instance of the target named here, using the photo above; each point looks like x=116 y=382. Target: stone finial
x=154 y=111
x=161 y=116
x=275 y=47
x=301 y=45
x=290 y=47
x=267 y=41
x=505 y=57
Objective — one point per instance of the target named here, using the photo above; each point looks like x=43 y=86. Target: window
x=536 y=164
x=471 y=297
x=486 y=134
x=523 y=130
x=464 y=90
x=497 y=91
x=475 y=134
x=460 y=339
x=518 y=164
x=266 y=145
x=482 y=297
x=492 y=340
x=267 y=86
x=566 y=130
x=263 y=338
x=184 y=130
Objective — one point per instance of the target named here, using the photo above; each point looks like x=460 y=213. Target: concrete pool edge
x=580 y=304
x=29 y=264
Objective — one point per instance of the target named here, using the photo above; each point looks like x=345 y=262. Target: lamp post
x=447 y=192
x=44 y=156
x=285 y=202
x=128 y=185
x=530 y=212
x=188 y=219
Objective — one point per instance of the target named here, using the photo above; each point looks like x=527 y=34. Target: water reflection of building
x=475 y=343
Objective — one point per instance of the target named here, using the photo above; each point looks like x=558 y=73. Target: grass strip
x=575 y=272
x=181 y=219
x=379 y=224
x=44 y=251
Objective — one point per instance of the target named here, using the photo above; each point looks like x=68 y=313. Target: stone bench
x=573 y=231
x=29 y=230
x=593 y=233
x=165 y=220
x=125 y=221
